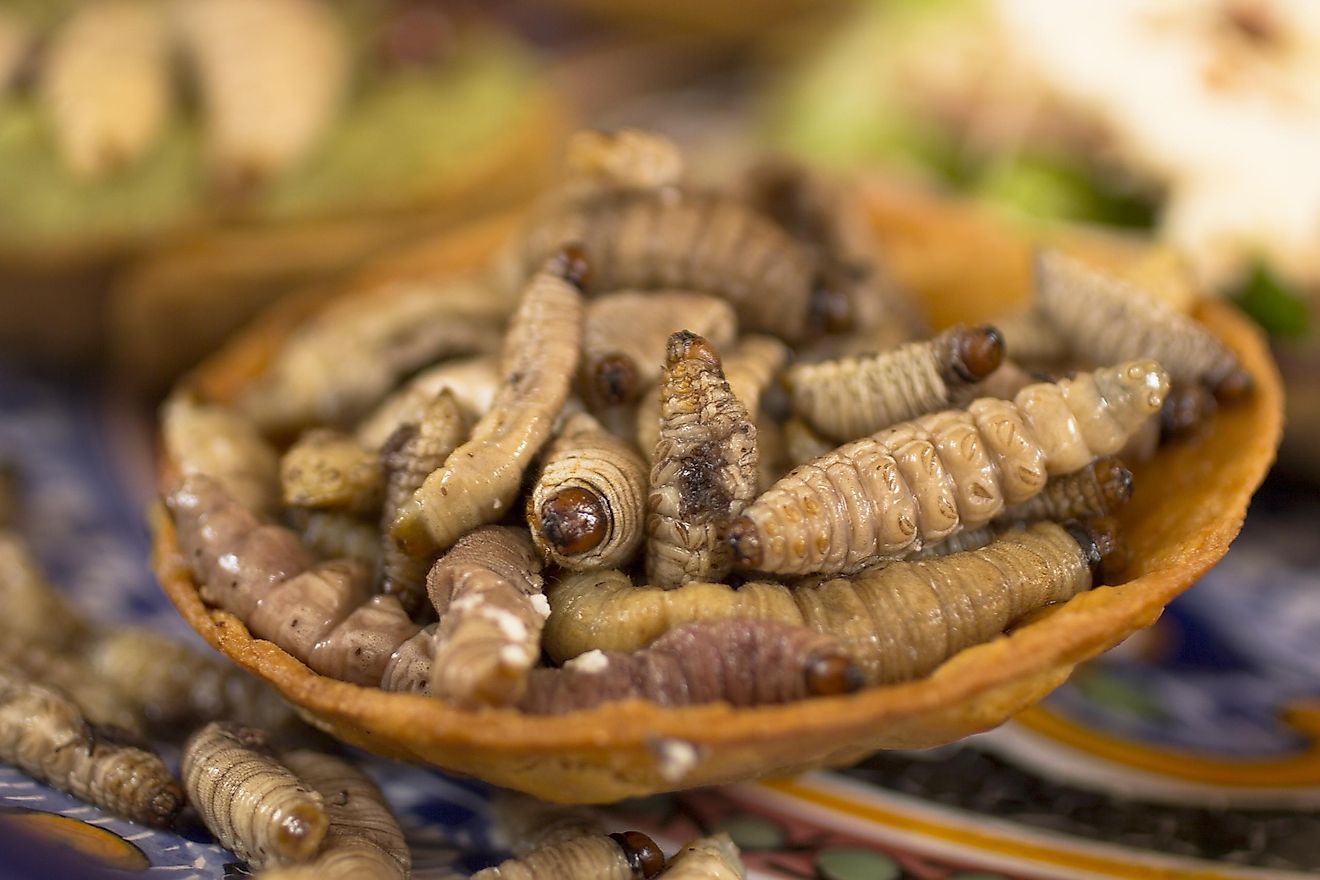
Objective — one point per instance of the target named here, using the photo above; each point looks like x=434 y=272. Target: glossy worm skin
x=897 y=620
x=630 y=855
x=487 y=590
x=472 y=381
x=106 y=84
x=742 y=662
x=672 y=239
x=340 y=363
x=254 y=805
x=363 y=839
x=1106 y=320
x=44 y=734
x=359 y=649
x=705 y=467
x=271 y=74
x=481 y=478
x=854 y=396
x=628 y=158
x=587 y=507
x=916 y=483
x=225 y=445
x=411 y=455
x=327 y=470
x=623 y=345
x=709 y=858
x=409 y=667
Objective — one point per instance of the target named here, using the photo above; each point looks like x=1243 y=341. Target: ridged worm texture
x=708 y=858
x=630 y=855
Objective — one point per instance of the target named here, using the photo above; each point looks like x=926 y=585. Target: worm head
x=1186 y=408
x=828 y=675
x=1103 y=545
x=1115 y=481
x=1135 y=389
x=644 y=857
x=686 y=345
x=574 y=521
x=978 y=352
x=573 y=266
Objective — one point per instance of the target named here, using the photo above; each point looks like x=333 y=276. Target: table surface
x=1189 y=751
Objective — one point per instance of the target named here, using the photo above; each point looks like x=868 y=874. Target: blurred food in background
x=1197 y=119
x=214 y=153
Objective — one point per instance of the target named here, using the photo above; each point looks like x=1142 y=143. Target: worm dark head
x=977 y=352
x=829 y=675
x=745 y=543
x=685 y=345
x=614 y=379
x=644 y=857
x=574 y=521
x=1114 y=479
x=573 y=266
x=1104 y=547
x=1235 y=386
x=830 y=308
x=1185 y=409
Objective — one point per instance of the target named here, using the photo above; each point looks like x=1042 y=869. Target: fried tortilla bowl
x=1188 y=505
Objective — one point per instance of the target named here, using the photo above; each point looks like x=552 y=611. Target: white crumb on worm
x=593 y=661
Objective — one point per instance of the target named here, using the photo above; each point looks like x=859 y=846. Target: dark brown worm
x=254 y=805
x=741 y=662
x=44 y=734
x=916 y=483
x=487 y=590
x=1106 y=320
x=897 y=621
x=1099 y=489
x=649 y=239
x=855 y=396
x=630 y=855
x=704 y=470
x=480 y=480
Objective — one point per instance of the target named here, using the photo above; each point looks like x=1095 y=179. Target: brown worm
x=411 y=455
x=409 y=667
x=44 y=734
x=587 y=507
x=916 y=483
x=359 y=649
x=254 y=805
x=331 y=534
x=480 y=480
x=327 y=470
x=363 y=839
x=225 y=445
x=623 y=344
x=487 y=590
x=1099 y=489
x=649 y=239
x=1106 y=320
x=855 y=396
x=68 y=675
x=629 y=855
x=897 y=621
x=339 y=364
x=704 y=470
x=709 y=858
x=473 y=382
x=739 y=661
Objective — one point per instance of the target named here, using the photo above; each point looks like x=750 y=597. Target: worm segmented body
x=331 y=535
x=223 y=444
x=363 y=839
x=587 y=507
x=647 y=239
x=472 y=381
x=487 y=590
x=704 y=468
x=890 y=494
x=855 y=396
x=741 y=662
x=1098 y=489
x=46 y=736
x=332 y=471
x=623 y=344
x=1106 y=320
x=360 y=648
x=341 y=362
x=527 y=824
x=106 y=84
x=897 y=621
x=68 y=674
x=409 y=667
x=410 y=456
x=480 y=479
x=627 y=856
x=709 y=858
x=254 y=805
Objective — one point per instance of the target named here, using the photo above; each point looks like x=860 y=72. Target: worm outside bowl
x=960 y=263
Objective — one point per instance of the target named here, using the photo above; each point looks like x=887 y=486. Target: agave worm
x=587 y=507
x=480 y=479
x=704 y=468
x=897 y=620
x=629 y=855
x=473 y=382
x=708 y=858
x=327 y=470
x=916 y=483
x=220 y=442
